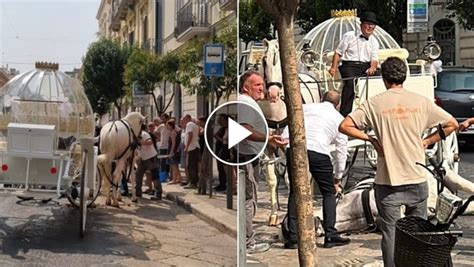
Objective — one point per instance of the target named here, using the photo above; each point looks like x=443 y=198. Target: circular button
x=230 y=126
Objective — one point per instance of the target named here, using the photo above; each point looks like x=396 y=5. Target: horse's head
x=272 y=69
x=136 y=121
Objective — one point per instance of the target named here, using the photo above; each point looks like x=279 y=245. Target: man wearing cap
x=359 y=53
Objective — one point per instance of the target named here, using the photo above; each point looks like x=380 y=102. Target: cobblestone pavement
x=144 y=234
x=364 y=249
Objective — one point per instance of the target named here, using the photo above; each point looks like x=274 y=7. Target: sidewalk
x=212 y=210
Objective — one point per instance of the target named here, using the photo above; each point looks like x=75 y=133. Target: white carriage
x=46 y=137
x=316 y=50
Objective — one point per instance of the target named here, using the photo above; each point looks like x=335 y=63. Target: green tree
x=463 y=11
x=103 y=68
x=254 y=24
x=144 y=69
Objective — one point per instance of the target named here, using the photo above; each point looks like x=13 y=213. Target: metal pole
x=418 y=43
x=230 y=185
x=229 y=173
x=210 y=137
x=241 y=219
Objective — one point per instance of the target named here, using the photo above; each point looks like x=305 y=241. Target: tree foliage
x=144 y=69
x=254 y=24
x=103 y=72
x=463 y=11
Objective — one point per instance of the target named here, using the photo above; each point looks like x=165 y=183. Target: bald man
x=321 y=124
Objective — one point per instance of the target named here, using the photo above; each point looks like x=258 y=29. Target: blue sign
x=214 y=60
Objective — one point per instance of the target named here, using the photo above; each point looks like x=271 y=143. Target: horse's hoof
x=273 y=220
x=108 y=202
x=135 y=200
x=116 y=205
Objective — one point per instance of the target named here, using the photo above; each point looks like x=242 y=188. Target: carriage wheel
x=75 y=172
x=83 y=199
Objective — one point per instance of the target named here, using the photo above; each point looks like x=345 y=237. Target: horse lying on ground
x=118 y=142
x=353 y=216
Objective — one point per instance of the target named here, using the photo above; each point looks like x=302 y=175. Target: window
x=444 y=33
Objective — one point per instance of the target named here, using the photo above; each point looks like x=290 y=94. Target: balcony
x=228 y=5
x=192 y=20
x=119 y=12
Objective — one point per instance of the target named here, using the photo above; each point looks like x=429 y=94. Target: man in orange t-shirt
x=398 y=118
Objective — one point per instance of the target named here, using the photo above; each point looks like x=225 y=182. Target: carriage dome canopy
x=47 y=96
x=325 y=37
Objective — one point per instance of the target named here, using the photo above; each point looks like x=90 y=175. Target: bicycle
x=420 y=242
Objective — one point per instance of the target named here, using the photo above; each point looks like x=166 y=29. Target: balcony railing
x=192 y=19
x=228 y=5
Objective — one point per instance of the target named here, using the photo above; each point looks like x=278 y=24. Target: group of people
x=166 y=144
x=398 y=118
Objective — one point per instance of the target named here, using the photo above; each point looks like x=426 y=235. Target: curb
x=219 y=219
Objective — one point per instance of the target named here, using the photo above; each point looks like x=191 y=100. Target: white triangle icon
x=237 y=133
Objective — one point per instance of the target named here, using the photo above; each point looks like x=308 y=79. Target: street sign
x=140 y=98
x=417 y=16
x=214 y=60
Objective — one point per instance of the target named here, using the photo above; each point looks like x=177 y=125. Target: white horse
x=274 y=110
x=352 y=215
x=118 y=142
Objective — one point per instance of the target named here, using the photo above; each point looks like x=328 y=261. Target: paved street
x=147 y=234
x=364 y=250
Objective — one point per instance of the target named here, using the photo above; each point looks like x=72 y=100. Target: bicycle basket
x=421 y=250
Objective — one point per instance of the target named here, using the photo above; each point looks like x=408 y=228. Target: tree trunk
x=283 y=12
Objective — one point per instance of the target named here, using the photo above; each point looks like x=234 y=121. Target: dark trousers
x=321 y=168
x=350 y=70
x=389 y=199
x=223 y=154
x=143 y=166
x=250 y=197
x=192 y=164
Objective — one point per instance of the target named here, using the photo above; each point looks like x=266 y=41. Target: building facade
x=456 y=42
x=6 y=74
x=163 y=26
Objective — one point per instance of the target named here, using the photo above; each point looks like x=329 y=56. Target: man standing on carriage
x=359 y=53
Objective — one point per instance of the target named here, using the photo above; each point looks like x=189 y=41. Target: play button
x=237 y=133
x=228 y=133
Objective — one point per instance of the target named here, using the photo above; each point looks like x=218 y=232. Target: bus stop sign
x=214 y=60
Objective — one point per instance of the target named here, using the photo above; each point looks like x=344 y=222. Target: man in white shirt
x=193 y=153
x=251 y=90
x=359 y=53
x=321 y=124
